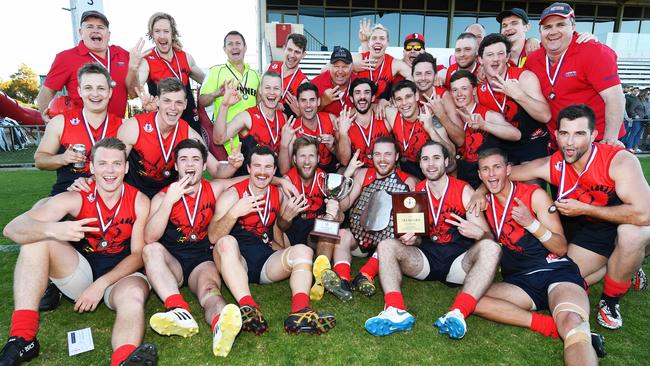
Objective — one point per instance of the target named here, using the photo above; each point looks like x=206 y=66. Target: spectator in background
x=636 y=112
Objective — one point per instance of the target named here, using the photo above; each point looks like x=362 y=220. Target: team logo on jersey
x=151 y=57
x=74 y=121
x=257 y=116
x=121 y=63
x=91 y=197
x=275 y=66
x=148 y=127
x=570 y=74
x=483 y=87
x=558 y=166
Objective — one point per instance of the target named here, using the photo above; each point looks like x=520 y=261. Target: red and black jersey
x=290 y=83
x=264 y=131
x=443 y=232
x=521 y=251
x=323 y=82
x=531 y=129
x=312 y=191
x=410 y=137
x=117 y=238
x=178 y=67
x=363 y=139
x=326 y=159
x=453 y=68
x=594 y=186
x=179 y=229
x=382 y=75
x=476 y=140
x=77 y=131
x=147 y=165
x=371 y=176
x=438 y=90
x=253 y=223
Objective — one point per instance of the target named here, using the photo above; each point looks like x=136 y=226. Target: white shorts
x=82 y=277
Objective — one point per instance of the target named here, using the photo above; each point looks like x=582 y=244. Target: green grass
x=486 y=343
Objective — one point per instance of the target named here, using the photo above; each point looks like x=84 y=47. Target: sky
x=33 y=32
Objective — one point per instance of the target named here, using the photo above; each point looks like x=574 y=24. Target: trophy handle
x=347 y=188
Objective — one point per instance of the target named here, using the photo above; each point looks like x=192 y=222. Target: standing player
x=514 y=25
x=413 y=126
x=151 y=137
x=289 y=70
x=536 y=273
x=370 y=184
x=248 y=248
x=359 y=130
x=93 y=256
x=93 y=47
x=313 y=124
x=334 y=83
x=602 y=194
x=437 y=97
x=247 y=80
x=466 y=54
x=163 y=61
x=84 y=126
x=516 y=94
x=456 y=251
x=570 y=73
x=483 y=127
x=178 y=251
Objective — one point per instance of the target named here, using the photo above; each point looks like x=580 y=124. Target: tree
x=22 y=85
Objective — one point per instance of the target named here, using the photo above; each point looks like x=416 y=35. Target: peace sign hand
x=148 y=102
x=178 y=189
x=466 y=228
x=236 y=158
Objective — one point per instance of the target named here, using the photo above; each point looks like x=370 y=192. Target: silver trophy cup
x=336 y=187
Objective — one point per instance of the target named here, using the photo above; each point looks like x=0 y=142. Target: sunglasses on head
x=413 y=47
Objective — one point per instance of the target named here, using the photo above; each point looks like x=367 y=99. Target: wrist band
x=539 y=231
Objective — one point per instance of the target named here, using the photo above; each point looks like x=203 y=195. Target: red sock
x=615 y=289
x=299 y=301
x=544 y=324
x=394 y=299
x=214 y=321
x=371 y=268
x=176 y=301
x=247 y=300
x=121 y=354
x=24 y=323
x=464 y=302
x=343 y=270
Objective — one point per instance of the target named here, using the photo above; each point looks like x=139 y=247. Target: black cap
x=94 y=14
x=563 y=10
x=341 y=54
x=518 y=12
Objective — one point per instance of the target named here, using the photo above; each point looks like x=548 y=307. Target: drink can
x=79 y=149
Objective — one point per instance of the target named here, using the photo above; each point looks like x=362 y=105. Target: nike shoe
x=145 y=355
x=253 y=320
x=598 y=342
x=18 y=350
x=317 y=290
x=389 y=321
x=339 y=287
x=364 y=285
x=609 y=315
x=307 y=320
x=640 y=280
x=453 y=324
x=226 y=330
x=177 y=321
x=51 y=298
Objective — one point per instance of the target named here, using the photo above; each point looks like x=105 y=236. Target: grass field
x=486 y=343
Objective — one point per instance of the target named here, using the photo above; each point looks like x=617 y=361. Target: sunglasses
x=412 y=47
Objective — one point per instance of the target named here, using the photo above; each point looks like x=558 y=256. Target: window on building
x=390 y=20
x=461 y=21
x=602 y=27
x=313 y=20
x=435 y=30
x=630 y=26
x=410 y=23
x=489 y=22
x=337 y=28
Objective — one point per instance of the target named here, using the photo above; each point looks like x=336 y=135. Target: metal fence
x=18 y=144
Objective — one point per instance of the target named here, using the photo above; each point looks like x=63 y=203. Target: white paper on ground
x=80 y=341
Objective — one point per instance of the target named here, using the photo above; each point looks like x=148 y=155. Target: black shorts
x=468 y=172
x=101 y=263
x=255 y=252
x=598 y=237
x=299 y=230
x=521 y=152
x=440 y=258
x=536 y=283
x=190 y=256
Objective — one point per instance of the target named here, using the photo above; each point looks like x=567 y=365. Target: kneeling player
x=245 y=250
x=456 y=251
x=537 y=275
x=179 y=252
x=93 y=257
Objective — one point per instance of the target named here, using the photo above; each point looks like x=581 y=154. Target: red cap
x=414 y=37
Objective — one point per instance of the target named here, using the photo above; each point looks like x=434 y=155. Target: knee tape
x=570 y=307
x=581 y=333
x=209 y=294
x=293 y=265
